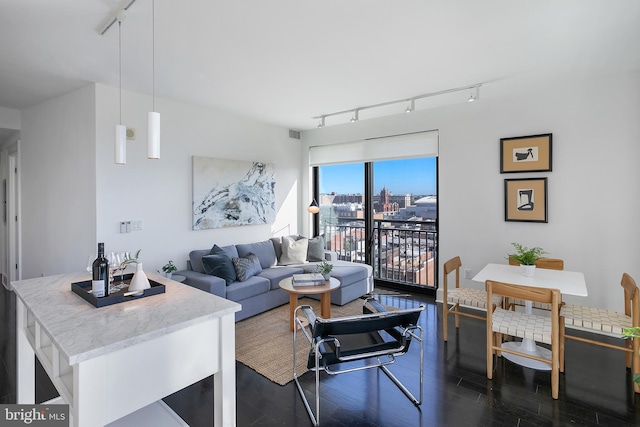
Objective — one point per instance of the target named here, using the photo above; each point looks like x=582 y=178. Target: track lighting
x=408 y=109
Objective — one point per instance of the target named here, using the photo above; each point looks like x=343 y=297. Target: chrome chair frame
x=374 y=314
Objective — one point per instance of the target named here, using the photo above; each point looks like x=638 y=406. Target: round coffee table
x=323 y=290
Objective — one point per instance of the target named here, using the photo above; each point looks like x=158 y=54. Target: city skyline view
x=405 y=176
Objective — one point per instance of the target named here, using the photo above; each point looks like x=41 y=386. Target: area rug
x=265 y=343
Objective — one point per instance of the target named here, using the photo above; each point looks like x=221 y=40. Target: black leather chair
x=378 y=336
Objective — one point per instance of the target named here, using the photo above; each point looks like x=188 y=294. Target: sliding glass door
x=383 y=213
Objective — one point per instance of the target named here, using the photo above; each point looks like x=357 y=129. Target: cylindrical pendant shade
x=153 y=145
x=121 y=144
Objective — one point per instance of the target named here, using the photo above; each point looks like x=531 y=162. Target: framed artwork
x=525 y=154
x=525 y=200
x=229 y=193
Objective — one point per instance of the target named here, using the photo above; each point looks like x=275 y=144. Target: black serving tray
x=83 y=289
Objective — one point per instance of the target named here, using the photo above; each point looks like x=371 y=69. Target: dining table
x=567 y=282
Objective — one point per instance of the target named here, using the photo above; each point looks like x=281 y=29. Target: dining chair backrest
x=631 y=299
x=453 y=264
x=548 y=263
x=530 y=293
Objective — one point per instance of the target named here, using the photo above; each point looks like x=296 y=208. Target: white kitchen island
x=115 y=363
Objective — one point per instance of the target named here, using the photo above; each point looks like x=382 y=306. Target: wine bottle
x=100 y=279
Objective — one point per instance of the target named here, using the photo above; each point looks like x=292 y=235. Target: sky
x=407 y=176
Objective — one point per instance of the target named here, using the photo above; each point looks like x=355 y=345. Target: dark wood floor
x=595 y=390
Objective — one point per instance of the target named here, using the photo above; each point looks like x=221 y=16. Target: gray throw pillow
x=315 y=252
x=294 y=251
x=246 y=267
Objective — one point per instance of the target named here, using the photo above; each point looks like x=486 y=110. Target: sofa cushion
x=277 y=242
x=246 y=267
x=218 y=263
x=256 y=285
x=276 y=274
x=264 y=251
x=315 y=252
x=195 y=258
x=293 y=251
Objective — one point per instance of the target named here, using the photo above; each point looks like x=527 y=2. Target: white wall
x=159 y=192
x=58 y=211
x=9 y=118
x=593 y=188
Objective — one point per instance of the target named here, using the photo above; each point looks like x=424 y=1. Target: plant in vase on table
x=325 y=268
x=169 y=268
x=526 y=257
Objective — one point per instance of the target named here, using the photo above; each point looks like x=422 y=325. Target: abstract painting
x=525 y=200
x=526 y=153
x=229 y=193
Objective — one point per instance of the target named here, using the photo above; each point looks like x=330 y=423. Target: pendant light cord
x=120 y=66
x=153 y=54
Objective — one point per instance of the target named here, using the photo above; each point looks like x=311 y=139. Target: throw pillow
x=246 y=267
x=218 y=263
x=294 y=251
x=315 y=252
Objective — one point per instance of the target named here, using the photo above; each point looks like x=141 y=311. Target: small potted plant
x=325 y=268
x=169 y=268
x=526 y=257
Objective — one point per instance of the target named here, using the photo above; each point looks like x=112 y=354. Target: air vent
x=294 y=134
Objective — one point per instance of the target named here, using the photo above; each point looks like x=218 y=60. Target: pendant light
x=153 y=144
x=121 y=130
x=313 y=207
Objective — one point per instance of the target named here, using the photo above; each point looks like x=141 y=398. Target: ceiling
x=284 y=61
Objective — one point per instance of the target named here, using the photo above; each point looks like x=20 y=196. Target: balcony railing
x=404 y=252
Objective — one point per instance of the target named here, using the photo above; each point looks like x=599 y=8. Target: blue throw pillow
x=246 y=267
x=218 y=263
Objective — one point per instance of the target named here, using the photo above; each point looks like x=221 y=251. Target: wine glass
x=124 y=256
x=114 y=265
x=90 y=259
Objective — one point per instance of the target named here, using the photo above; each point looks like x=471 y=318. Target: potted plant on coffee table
x=325 y=268
x=526 y=257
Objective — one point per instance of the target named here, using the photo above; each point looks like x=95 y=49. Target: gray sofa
x=261 y=292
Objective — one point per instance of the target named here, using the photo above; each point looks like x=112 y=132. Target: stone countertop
x=82 y=332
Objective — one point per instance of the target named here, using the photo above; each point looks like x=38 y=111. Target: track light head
x=321 y=124
x=355 y=117
x=475 y=97
x=411 y=106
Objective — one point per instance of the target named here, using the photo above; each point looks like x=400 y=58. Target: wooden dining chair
x=456 y=298
x=603 y=323
x=545 y=329
x=549 y=264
